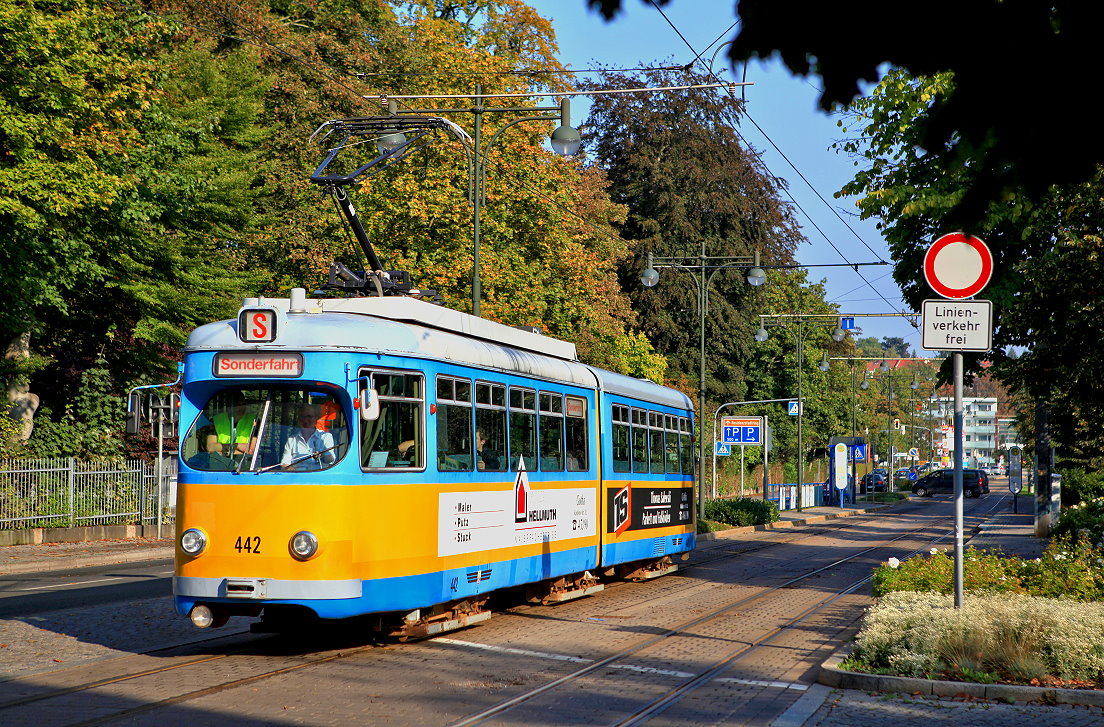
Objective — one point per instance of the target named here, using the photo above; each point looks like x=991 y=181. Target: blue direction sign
x=741 y=430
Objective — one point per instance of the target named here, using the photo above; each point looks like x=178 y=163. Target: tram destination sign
x=957 y=325
x=282 y=365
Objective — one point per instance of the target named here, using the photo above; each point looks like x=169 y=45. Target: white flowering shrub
x=1016 y=636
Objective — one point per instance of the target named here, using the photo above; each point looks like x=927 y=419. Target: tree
x=128 y=181
x=70 y=100
x=1043 y=300
x=982 y=124
x=675 y=162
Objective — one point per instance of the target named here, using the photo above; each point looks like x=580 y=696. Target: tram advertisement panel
x=643 y=508
x=469 y=522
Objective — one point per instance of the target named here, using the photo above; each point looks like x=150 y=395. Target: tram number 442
x=248 y=544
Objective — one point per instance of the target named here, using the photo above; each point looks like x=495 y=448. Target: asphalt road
x=31 y=594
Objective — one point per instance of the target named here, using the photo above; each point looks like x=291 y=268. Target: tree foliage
x=1043 y=301
x=986 y=124
x=155 y=166
x=690 y=188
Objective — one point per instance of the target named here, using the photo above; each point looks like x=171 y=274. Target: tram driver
x=309 y=447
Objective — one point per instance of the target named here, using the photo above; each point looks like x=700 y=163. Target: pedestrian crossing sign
x=794 y=408
x=723 y=449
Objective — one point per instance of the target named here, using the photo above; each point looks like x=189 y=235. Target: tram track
x=704 y=676
x=798 y=533
x=213 y=668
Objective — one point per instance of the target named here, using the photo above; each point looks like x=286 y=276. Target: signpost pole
x=766 y=453
x=958 y=441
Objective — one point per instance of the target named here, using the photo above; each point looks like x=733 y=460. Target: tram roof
x=410 y=327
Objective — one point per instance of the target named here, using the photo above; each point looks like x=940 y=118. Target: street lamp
x=565 y=141
x=890 y=396
x=703 y=271
x=799 y=333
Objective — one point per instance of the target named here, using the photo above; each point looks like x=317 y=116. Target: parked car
x=974 y=483
x=873 y=481
x=901 y=473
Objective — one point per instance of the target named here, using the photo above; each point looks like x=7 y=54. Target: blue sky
x=790 y=127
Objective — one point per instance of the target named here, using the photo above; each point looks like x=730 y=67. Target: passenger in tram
x=306 y=440
x=233 y=429
x=405 y=451
x=485 y=458
x=211 y=457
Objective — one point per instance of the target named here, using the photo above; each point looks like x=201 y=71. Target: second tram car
x=387 y=458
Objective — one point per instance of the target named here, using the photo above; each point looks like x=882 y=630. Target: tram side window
x=523 y=428
x=655 y=427
x=622 y=433
x=686 y=444
x=396 y=438
x=640 y=440
x=454 y=424
x=578 y=446
x=551 y=432
x=671 y=425
x=490 y=427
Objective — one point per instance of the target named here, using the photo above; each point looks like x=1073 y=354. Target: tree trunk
x=22 y=403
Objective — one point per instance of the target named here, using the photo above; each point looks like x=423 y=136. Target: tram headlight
x=193 y=541
x=303 y=545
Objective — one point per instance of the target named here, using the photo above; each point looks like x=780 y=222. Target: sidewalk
x=18 y=559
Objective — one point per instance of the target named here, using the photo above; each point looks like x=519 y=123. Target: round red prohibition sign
x=957 y=266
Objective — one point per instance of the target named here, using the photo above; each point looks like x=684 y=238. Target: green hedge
x=742 y=511
x=1070 y=567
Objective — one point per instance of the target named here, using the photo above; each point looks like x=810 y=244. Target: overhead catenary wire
x=788 y=161
x=532 y=94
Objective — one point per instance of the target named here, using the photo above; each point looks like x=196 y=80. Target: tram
x=373 y=454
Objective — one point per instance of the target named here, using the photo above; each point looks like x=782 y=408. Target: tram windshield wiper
x=313 y=455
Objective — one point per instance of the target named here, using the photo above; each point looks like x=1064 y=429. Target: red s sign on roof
x=957 y=266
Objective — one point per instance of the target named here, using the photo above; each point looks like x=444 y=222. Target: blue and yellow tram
x=390 y=458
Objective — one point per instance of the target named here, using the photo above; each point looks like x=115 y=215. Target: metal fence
x=65 y=492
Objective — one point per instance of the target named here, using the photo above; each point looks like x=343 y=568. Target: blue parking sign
x=742 y=430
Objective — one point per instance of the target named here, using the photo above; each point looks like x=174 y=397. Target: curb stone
x=833 y=676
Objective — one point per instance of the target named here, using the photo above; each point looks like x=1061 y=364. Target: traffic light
x=134 y=413
x=896 y=423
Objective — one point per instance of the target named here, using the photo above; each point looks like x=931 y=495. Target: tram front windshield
x=271 y=430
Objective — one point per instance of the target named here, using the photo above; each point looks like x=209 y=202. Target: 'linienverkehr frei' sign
x=957 y=325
